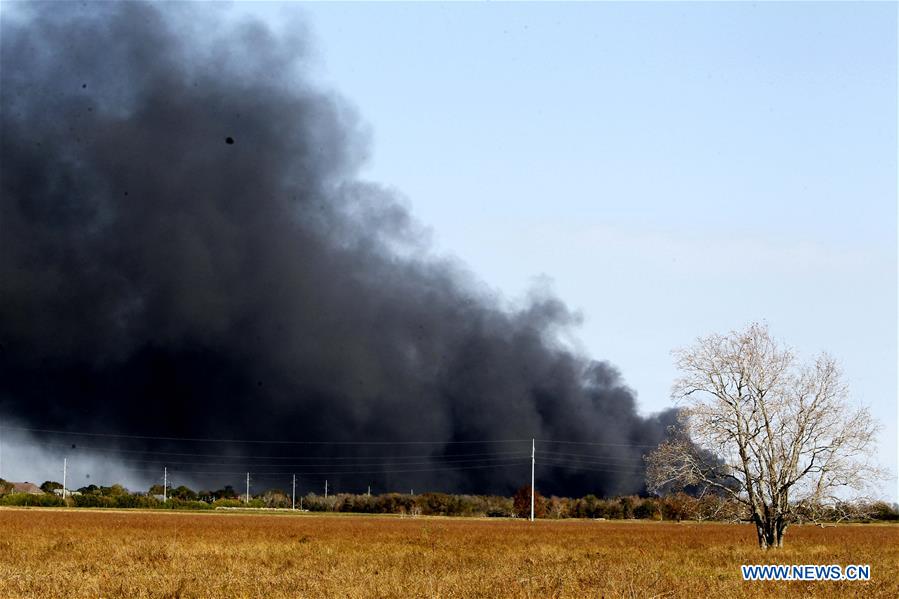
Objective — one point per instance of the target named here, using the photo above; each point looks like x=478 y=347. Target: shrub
x=27 y=499
x=48 y=486
x=522 y=503
x=881 y=510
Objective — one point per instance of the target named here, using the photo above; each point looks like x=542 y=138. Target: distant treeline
x=677 y=506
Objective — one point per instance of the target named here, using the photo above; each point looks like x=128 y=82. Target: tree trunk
x=763 y=542
x=779 y=530
x=770 y=532
x=760 y=530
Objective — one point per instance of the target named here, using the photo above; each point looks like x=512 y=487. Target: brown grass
x=81 y=553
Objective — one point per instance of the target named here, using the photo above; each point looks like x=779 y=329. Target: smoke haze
x=186 y=251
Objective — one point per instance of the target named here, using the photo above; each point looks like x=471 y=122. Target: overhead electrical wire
x=307 y=474
x=584 y=457
x=255 y=441
x=256 y=466
x=594 y=443
x=97 y=449
x=318 y=466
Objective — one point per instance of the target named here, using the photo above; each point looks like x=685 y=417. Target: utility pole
x=248 y=488
x=293 y=494
x=326 y=488
x=533 y=451
x=64 y=468
x=165 y=483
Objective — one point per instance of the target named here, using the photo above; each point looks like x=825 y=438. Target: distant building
x=69 y=492
x=26 y=487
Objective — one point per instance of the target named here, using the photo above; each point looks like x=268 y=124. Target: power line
x=590 y=457
x=331 y=465
x=294 y=442
x=116 y=450
x=256 y=441
x=318 y=467
x=597 y=443
x=581 y=466
x=320 y=462
x=323 y=473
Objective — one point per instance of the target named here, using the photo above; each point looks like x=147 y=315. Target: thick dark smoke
x=187 y=252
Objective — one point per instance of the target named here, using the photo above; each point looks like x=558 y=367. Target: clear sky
x=672 y=169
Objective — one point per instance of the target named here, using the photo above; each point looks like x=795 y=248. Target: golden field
x=84 y=553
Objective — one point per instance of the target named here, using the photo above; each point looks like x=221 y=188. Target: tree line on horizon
x=671 y=507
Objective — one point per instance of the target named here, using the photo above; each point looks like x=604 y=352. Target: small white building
x=69 y=492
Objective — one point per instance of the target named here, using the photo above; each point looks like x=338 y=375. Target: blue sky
x=670 y=170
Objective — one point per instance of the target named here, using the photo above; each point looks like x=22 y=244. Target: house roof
x=26 y=487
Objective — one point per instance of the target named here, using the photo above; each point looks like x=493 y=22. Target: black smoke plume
x=186 y=251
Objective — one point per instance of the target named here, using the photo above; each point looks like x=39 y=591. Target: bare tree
x=764 y=429
x=811 y=512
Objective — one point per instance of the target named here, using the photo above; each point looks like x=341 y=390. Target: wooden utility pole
x=533 y=446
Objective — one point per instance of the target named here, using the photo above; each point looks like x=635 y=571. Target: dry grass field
x=81 y=553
